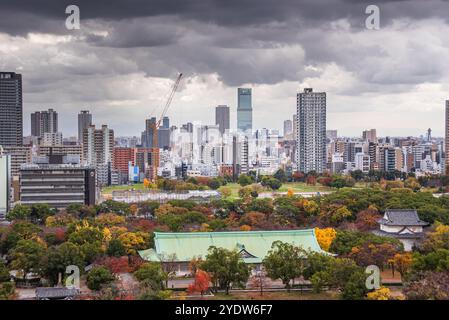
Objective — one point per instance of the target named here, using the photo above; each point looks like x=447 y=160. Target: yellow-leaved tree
x=382 y=293
x=325 y=237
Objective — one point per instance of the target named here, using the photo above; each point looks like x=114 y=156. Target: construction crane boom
x=155 y=126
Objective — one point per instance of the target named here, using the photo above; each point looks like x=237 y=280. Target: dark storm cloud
x=21 y=16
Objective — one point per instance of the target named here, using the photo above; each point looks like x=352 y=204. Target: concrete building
x=44 y=122
x=84 y=122
x=57 y=185
x=98 y=145
x=311 y=150
x=11 y=117
x=244 y=109
x=362 y=162
x=51 y=139
x=222 y=118
x=288 y=128
x=19 y=156
x=369 y=135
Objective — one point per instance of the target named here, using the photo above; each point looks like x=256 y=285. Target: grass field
x=294 y=186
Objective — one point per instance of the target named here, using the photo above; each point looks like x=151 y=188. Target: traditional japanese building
x=253 y=246
x=404 y=225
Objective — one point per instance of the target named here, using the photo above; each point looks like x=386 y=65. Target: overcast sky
x=121 y=63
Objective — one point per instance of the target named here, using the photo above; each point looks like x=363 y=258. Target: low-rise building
x=253 y=246
x=404 y=225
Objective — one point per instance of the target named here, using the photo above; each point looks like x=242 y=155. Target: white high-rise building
x=311 y=139
x=5 y=183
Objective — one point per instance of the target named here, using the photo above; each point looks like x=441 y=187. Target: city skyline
x=394 y=79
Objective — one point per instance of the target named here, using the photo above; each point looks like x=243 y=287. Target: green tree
x=116 y=248
x=58 y=258
x=284 y=261
x=226 y=268
x=27 y=256
x=99 y=277
x=39 y=212
x=4 y=273
x=19 y=212
x=151 y=275
x=245 y=180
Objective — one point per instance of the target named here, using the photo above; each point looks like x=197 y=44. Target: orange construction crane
x=155 y=126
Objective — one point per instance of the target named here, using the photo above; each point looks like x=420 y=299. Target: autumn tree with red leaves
x=200 y=284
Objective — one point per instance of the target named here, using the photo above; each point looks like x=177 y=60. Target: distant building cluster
x=48 y=167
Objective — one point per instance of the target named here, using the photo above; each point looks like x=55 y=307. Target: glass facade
x=244 y=110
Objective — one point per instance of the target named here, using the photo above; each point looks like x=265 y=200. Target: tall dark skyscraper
x=43 y=122
x=244 y=109
x=84 y=122
x=222 y=118
x=311 y=118
x=11 y=119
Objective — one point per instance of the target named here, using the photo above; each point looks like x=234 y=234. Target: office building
x=44 y=122
x=244 y=109
x=311 y=150
x=11 y=118
x=51 y=139
x=370 y=135
x=84 y=122
x=222 y=118
x=57 y=184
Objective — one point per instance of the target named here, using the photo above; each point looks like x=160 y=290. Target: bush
x=98 y=277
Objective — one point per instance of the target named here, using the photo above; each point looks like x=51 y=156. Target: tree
x=7 y=291
x=201 y=283
x=27 y=256
x=116 y=248
x=4 y=273
x=98 y=277
x=225 y=267
x=373 y=254
x=58 y=258
x=151 y=275
x=244 y=180
x=383 y=293
x=280 y=175
x=273 y=183
x=437 y=239
x=114 y=264
x=225 y=191
x=402 y=262
x=284 y=261
x=133 y=241
x=19 y=212
x=429 y=286
x=214 y=183
x=40 y=212
x=367 y=219
x=325 y=237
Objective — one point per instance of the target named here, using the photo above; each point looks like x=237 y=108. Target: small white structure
x=404 y=225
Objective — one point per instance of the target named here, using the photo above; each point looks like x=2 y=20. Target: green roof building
x=252 y=245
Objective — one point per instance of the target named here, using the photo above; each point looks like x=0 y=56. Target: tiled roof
x=187 y=245
x=407 y=217
x=55 y=292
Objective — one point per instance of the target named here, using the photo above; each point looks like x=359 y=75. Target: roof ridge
x=209 y=233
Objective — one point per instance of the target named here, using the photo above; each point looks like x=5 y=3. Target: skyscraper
x=311 y=150
x=44 y=122
x=244 y=109
x=84 y=122
x=222 y=118
x=447 y=137
x=11 y=121
x=5 y=183
x=98 y=146
x=288 y=127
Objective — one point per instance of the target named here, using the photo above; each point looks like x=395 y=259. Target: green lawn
x=295 y=186
x=136 y=186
